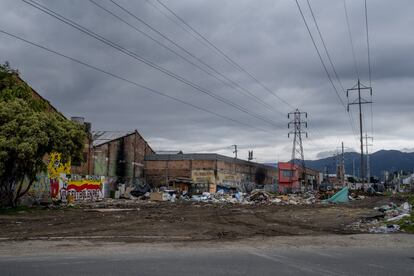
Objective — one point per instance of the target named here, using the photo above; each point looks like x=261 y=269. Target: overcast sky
x=268 y=39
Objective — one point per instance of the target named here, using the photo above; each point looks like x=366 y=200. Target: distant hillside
x=390 y=160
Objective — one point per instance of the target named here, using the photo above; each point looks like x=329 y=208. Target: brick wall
x=122 y=158
x=158 y=172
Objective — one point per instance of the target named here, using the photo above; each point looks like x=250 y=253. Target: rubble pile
x=394 y=213
x=386 y=222
x=255 y=197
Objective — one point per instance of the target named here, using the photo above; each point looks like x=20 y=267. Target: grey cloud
x=267 y=38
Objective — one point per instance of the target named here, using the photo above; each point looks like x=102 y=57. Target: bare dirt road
x=144 y=221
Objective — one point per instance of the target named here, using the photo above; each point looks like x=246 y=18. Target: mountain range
x=380 y=161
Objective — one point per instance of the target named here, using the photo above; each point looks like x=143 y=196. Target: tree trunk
x=6 y=194
x=20 y=193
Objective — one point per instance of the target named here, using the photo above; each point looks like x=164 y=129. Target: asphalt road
x=210 y=261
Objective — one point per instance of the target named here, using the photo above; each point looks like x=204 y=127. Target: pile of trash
x=255 y=197
x=385 y=220
x=392 y=214
x=219 y=197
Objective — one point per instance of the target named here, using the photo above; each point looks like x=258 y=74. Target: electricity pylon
x=296 y=125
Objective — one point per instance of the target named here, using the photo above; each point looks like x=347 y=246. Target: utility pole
x=250 y=156
x=360 y=101
x=336 y=166
x=296 y=124
x=235 y=151
x=367 y=153
x=353 y=167
x=342 y=167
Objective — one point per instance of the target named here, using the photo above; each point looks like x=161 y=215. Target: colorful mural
x=59 y=184
x=83 y=189
x=55 y=167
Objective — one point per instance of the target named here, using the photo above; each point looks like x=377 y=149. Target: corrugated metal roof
x=102 y=137
x=202 y=156
x=168 y=152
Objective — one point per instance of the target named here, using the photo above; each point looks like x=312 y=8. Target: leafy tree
x=28 y=132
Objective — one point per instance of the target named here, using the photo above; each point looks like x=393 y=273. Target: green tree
x=28 y=132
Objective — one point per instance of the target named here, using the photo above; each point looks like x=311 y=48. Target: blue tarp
x=339 y=197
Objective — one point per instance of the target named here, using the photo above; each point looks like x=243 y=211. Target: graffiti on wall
x=232 y=180
x=90 y=188
x=203 y=176
x=55 y=166
x=40 y=188
x=59 y=184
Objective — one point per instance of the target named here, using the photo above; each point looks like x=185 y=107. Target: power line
x=369 y=63
x=368 y=48
x=350 y=39
x=319 y=55
x=229 y=82
x=109 y=43
x=220 y=52
x=174 y=20
x=188 y=26
x=147 y=62
x=330 y=60
x=331 y=63
x=130 y=81
x=178 y=54
x=326 y=48
x=203 y=39
x=324 y=66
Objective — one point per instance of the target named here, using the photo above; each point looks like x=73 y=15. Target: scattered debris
x=397 y=218
x=158 y=196
x=140 y=190
x=381 y=224
x=109 y=210
x=390 y=228
x=259 y=196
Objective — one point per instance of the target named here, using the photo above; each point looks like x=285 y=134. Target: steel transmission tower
x=360 y=101
x=296 y=125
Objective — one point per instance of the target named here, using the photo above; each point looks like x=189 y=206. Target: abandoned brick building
x=120 y=155
x=206 y=171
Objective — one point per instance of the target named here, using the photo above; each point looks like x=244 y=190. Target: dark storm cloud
x=268 y=38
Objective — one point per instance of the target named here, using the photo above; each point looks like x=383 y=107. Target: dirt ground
x=183 y=221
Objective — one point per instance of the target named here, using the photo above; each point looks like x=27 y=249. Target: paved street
x=213 y=261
